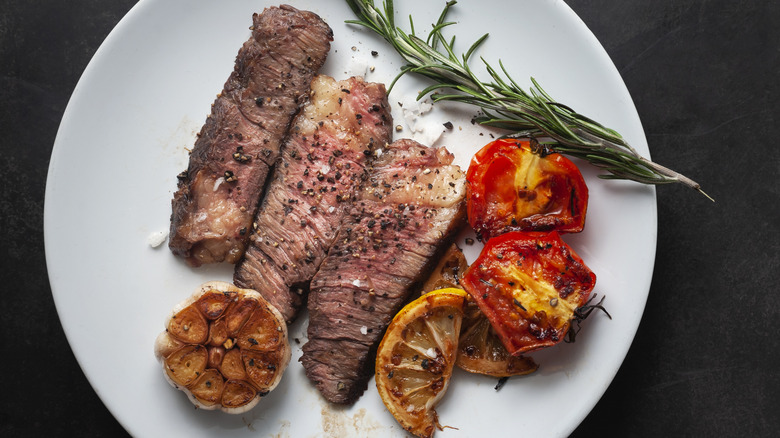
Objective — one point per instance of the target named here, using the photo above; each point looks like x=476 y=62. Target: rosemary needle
x=505 y=104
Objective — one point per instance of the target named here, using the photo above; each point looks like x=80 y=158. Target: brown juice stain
x=284 y=431
x=248 y=424
x=337 y=422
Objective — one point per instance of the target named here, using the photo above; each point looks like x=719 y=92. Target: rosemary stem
x=675 y=175
x=508 y=106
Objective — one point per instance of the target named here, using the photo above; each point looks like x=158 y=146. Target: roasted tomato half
x=514 y=186
x=529 y=284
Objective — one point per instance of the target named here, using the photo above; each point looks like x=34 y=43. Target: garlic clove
x=214 y=303
x=184 y=365
x=207 y=389
x=260 y=332
x=237 y=315
x=189 y=326
x=239 y=396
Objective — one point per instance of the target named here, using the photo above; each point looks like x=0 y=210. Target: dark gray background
x=704 y=77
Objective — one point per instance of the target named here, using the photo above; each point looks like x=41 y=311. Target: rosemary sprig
x=505 y=104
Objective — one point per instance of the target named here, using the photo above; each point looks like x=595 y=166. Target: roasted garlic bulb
x=224 y=347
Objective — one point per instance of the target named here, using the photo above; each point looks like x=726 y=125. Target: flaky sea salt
x=358 y=67
x=422 y=130
x=157 y=238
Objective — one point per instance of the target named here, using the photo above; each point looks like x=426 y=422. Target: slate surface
x=704 y=77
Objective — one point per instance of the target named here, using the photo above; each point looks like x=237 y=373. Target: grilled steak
x=322 y=165
x=218 y=194
x=405 y=213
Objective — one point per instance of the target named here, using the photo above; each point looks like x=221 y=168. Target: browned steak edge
x=320 y=169
x=248 y=120
x=365 y=280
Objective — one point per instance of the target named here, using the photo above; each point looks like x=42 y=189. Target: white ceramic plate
x=123 y=140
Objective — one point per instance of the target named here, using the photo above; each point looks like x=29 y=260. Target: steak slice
x=322 y=165
x=405 y=214
x=219 y=193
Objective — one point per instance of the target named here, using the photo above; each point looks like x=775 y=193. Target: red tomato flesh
x=511 y=188
x=528 y=285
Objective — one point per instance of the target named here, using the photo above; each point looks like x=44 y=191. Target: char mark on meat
x=322 y=165
x=219 y=193
x=404 y=215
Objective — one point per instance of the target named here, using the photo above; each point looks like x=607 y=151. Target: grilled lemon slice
x=415 y=358
x=481 y=351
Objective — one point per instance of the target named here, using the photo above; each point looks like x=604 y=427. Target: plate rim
x=59 y=148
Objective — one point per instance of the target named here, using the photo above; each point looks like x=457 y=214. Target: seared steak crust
x=322 y=165
x=406 y=212
x=218 y=194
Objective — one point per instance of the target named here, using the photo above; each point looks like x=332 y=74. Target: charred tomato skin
x=512 y=185
x=529 y=284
